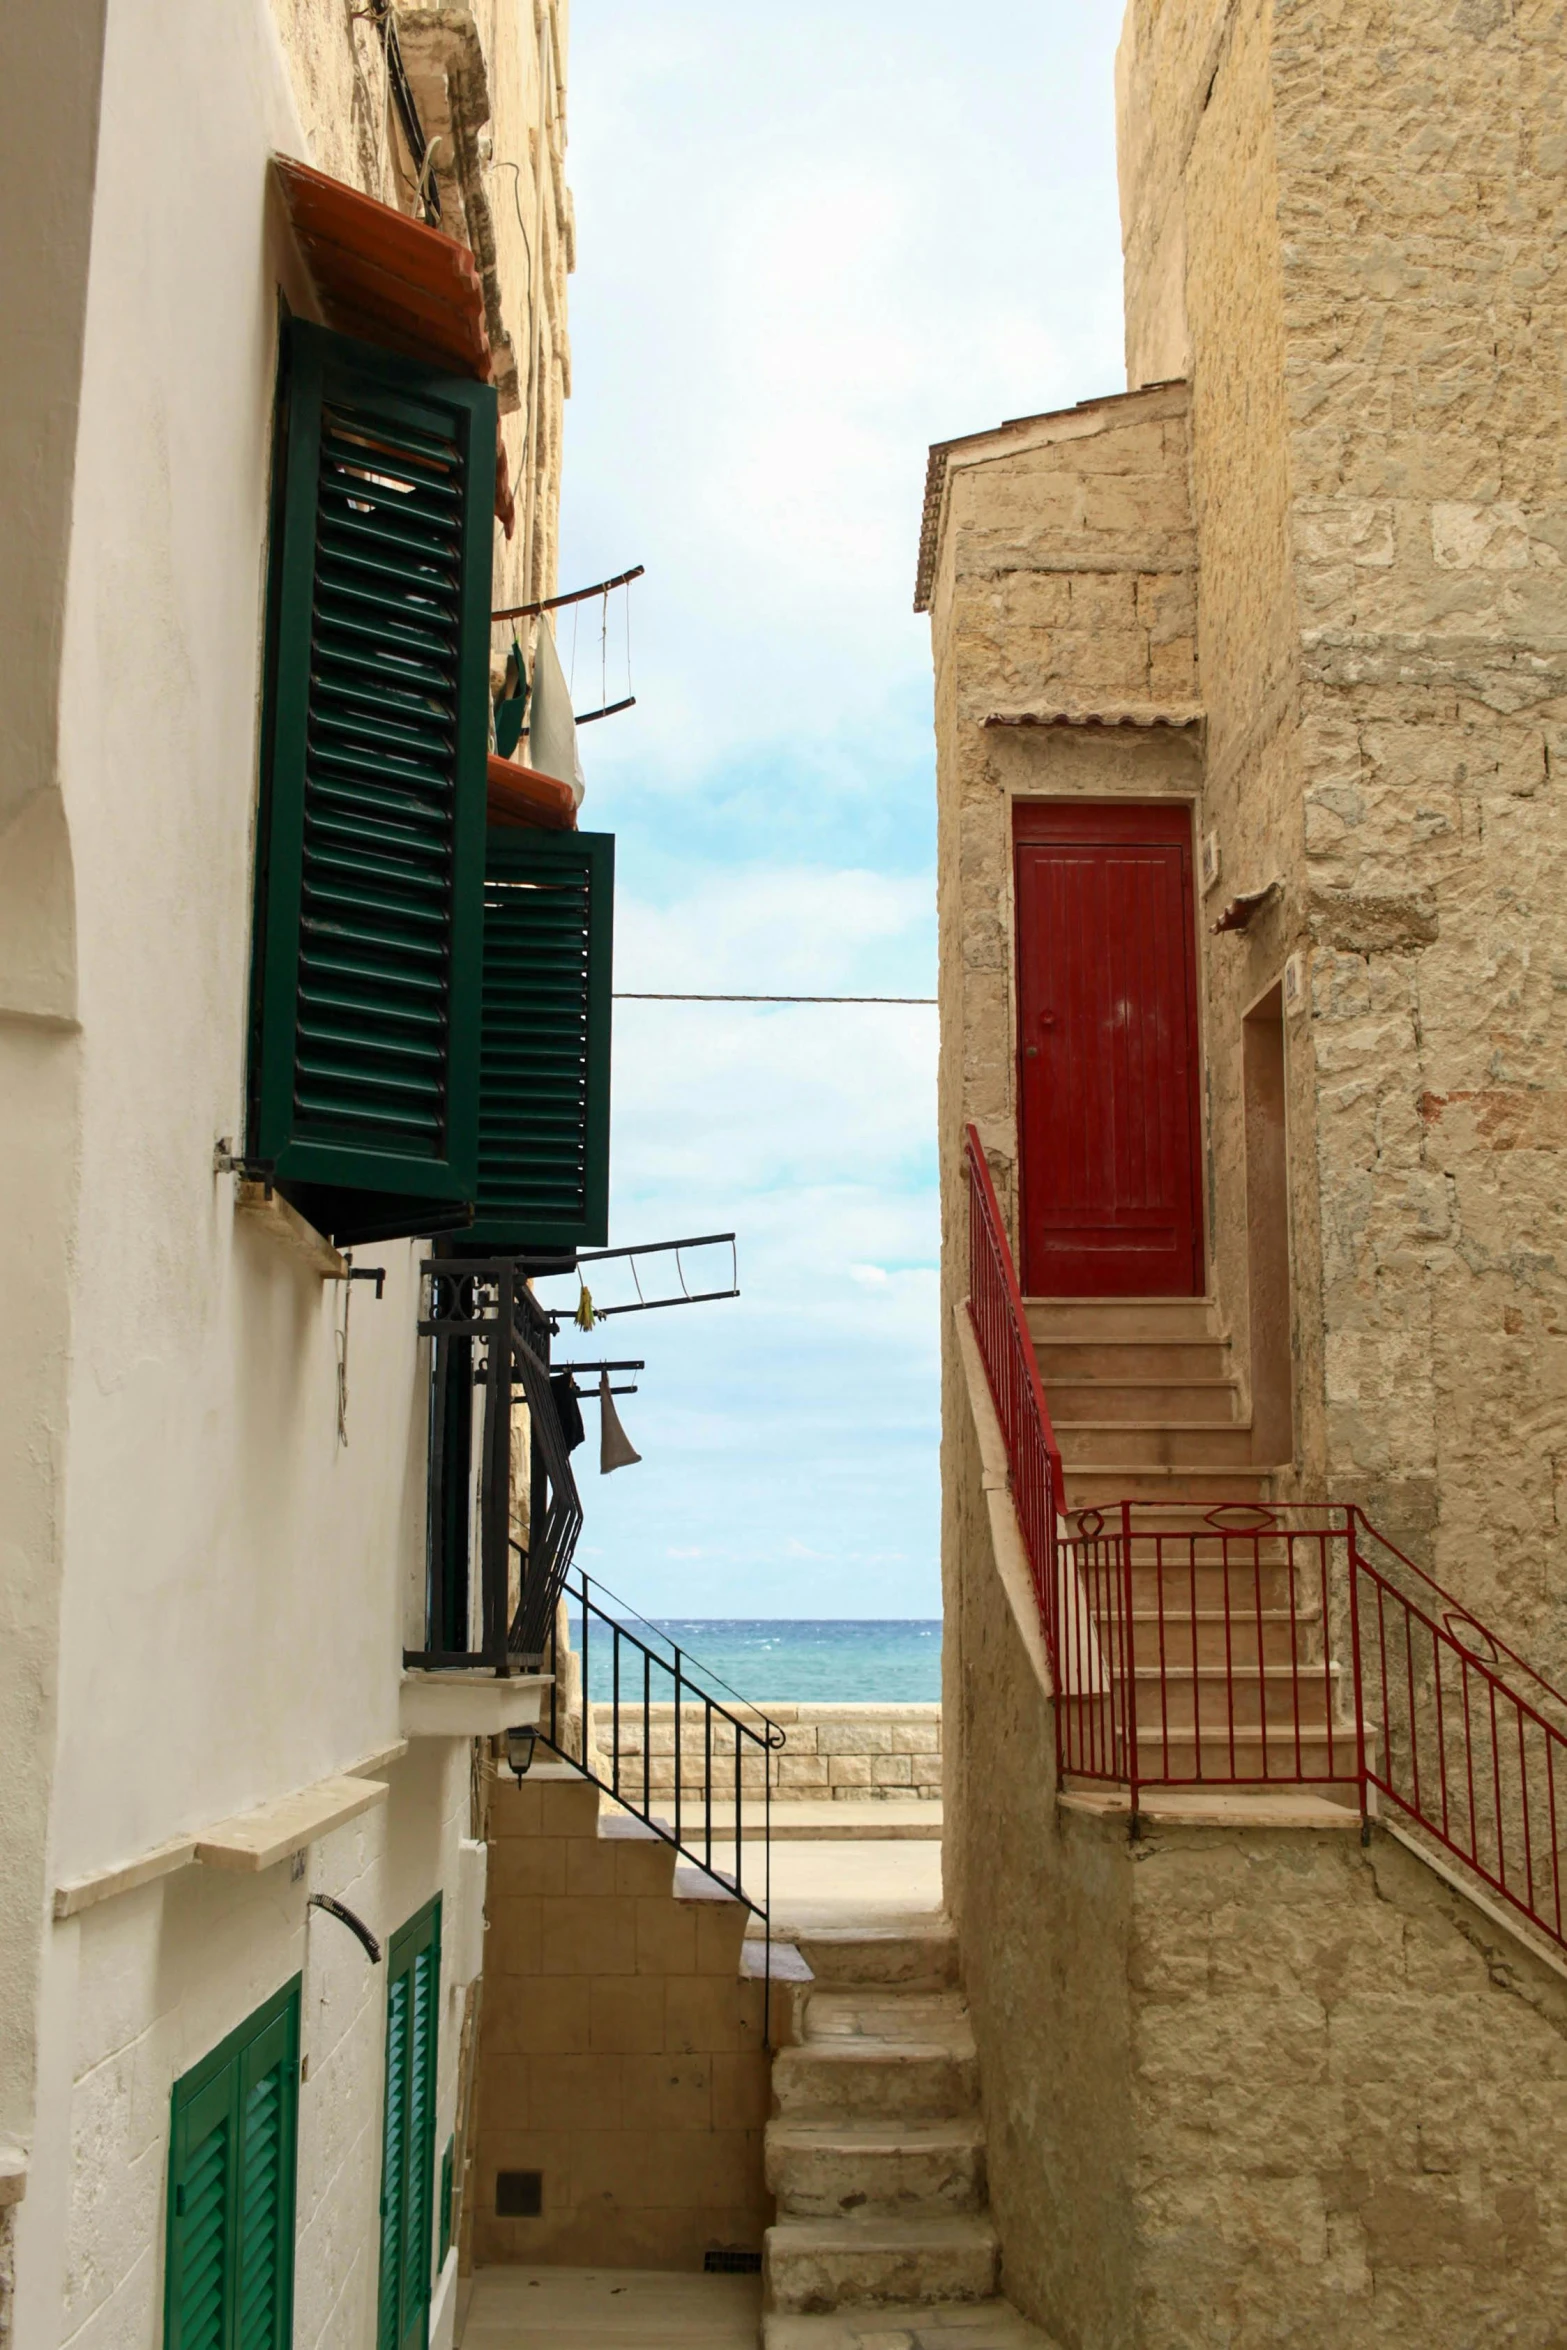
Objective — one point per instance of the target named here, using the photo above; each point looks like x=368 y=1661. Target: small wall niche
x=1267 y=1229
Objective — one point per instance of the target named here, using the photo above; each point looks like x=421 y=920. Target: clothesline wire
x=626 y=995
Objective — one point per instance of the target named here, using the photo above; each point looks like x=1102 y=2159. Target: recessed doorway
x=1108 y=1059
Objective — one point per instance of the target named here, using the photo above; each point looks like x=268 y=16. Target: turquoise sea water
x=844 y=1662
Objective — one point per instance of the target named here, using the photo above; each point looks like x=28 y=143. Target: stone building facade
x=1299 y=588
x=1322 y=564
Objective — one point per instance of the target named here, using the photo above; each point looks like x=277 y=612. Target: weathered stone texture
x=1242 y=2086
x=853 y=1751
x=1369 y=201
x=622 y=2053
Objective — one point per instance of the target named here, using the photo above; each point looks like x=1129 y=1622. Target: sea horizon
x=783 y=1660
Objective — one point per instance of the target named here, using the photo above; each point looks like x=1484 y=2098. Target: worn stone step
x=919 y=1958
x=933 y=2080
x=955 y=2325
x=1214 y=1697
x=1154 y=1359
x=1101 y=1484
x=837 y=2170
x=1210 y=1637
x=1200 y=1444
x=1142 y=1402
x=817 y=2265
x=874 y=2011
x=1123 y=1317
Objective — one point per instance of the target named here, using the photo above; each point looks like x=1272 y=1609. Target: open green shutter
x=544 y=1057
x=419 y=2194
x=394 y=2163
x=199 y=2283
x=365 y=1047
x=408 y=2146
x=229 y=2278
x=268 y=2111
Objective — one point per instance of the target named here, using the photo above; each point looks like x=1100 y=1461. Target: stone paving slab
x=959 y=2325
x=610 y=2309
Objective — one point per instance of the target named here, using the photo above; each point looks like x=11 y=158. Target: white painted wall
x=155 y=1979
x=205 y=1595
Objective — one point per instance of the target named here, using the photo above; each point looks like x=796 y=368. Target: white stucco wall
x=234 y=1585
x=155 y=1979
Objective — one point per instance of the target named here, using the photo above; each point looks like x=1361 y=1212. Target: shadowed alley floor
x=611 y=2309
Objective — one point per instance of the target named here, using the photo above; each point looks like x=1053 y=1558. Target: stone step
x=1242 y=1587
x=870 y=2011
x=1276 y=1759
x=1143 y=1402
x=920 y=1958
x=1101 y=1484
x=1214 y=1698
x=1123 y=1317
x=817 y=2264
x=867 y=2080
x=956 y=2325
x=1210 y=1637
x=836 y=2170
x=1200 y=1444
x=1155 y=1360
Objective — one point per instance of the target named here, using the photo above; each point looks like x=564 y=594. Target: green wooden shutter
x=408 y=2142
x=370 y=869
x=229 y=2278
x=448 y=2161
x=268 y=2090
x=394 y=2162
x=201 y=2231
x=544 y=1058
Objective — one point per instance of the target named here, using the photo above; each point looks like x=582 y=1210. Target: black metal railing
x=715 y=1753
x=490 y=1593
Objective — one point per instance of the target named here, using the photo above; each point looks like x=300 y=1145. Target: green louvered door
x=229 y=2278
x=370 y=874
x=544 y=1067
x=408 y=2141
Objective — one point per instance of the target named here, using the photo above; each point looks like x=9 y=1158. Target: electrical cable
x=645 y=996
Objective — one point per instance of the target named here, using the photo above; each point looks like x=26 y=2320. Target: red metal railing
x=1471 y=1742
x=1252 y=1645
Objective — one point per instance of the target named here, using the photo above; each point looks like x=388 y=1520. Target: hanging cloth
x=567 y=1409
x=552 y=729
x=616 y=1450
x=511 y=711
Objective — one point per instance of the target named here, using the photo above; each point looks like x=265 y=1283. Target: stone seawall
x=847 y=1753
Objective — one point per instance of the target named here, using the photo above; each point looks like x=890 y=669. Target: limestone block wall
x=1355 y=212
x=1062 y=580
x=621 y=2052
x=855 y=1753
x=1242 y=2086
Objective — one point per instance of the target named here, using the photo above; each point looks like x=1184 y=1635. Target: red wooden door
x=1107 y=1043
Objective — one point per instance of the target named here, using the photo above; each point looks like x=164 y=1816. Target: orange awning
x=390 y=280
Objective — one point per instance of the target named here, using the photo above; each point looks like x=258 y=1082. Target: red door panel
x=1107 y=1042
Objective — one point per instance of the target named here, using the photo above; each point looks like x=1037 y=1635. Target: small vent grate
x=727 y=2261
x=519 y=2194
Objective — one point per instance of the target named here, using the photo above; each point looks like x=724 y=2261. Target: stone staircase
x=1146 y=1400
x=876 y=2155
x=1147 y=1406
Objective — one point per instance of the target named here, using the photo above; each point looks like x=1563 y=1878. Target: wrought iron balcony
x=504 y=1510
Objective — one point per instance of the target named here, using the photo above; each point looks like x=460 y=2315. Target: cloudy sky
x=812 y=239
